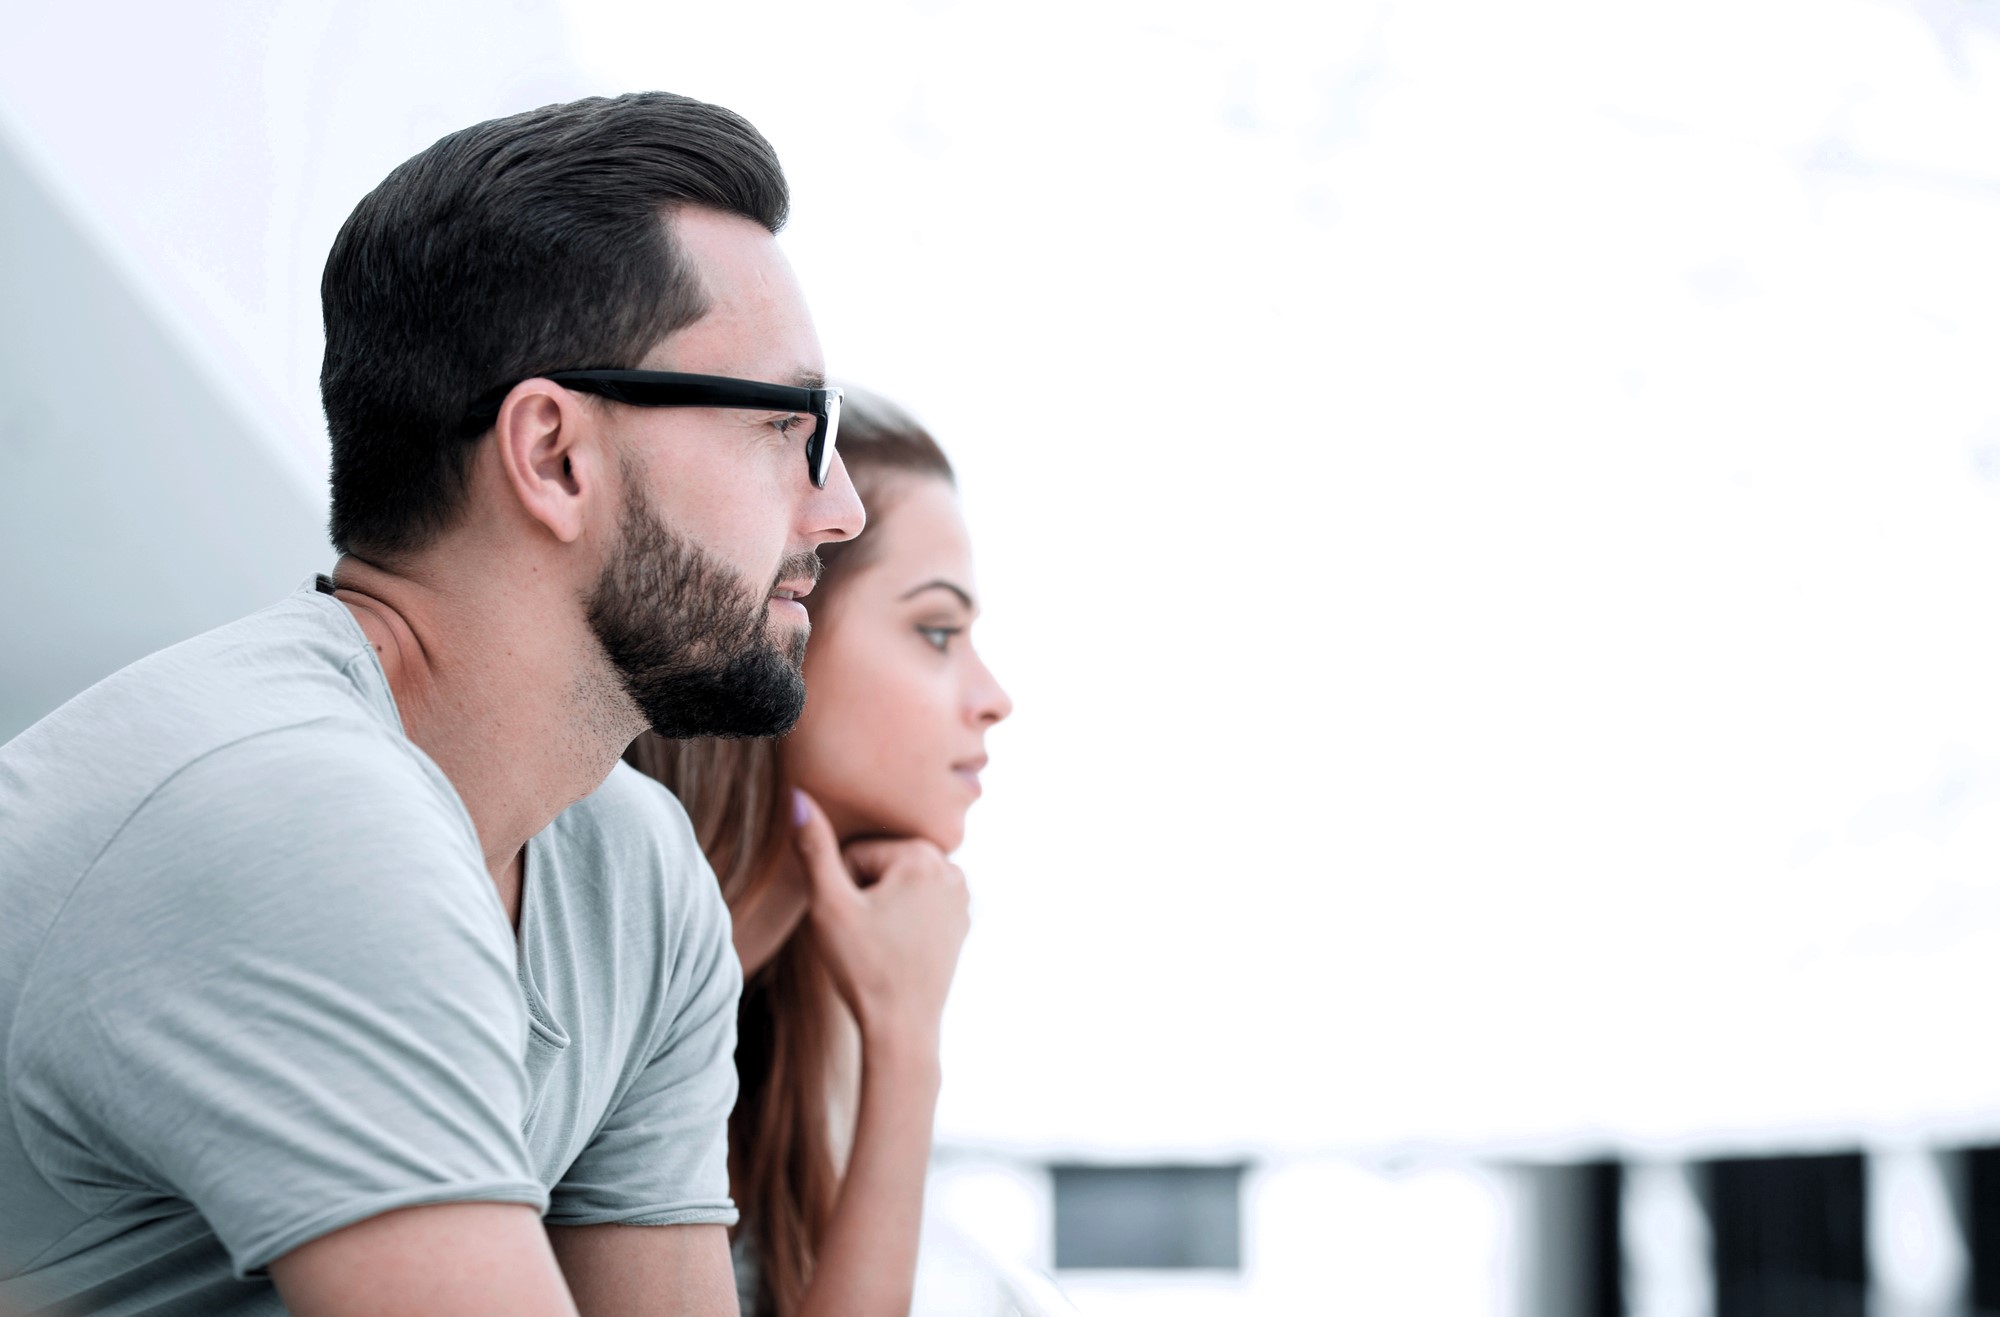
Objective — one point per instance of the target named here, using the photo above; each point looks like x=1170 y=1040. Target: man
x=309 y=1000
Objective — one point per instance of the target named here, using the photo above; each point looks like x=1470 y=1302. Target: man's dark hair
x=510 y=249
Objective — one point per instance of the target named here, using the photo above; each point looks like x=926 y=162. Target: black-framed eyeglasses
x=672 y=388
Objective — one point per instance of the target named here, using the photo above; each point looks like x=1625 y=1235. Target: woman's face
x=897 y=700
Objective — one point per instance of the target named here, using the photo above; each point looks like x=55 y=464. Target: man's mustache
x=799 y=564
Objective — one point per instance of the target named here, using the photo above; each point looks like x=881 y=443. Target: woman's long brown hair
x=781 y=1161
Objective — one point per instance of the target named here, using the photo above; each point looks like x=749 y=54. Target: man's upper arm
x=284 y=997
x=448 y=1260
x=647 y=1271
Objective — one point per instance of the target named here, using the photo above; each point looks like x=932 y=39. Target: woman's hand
x=890 y=916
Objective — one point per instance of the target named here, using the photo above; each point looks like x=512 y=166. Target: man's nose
x=835 y=512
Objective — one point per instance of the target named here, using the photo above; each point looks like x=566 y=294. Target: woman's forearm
x=867 y=1264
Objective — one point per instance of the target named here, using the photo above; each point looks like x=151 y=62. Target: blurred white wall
x=219 y=144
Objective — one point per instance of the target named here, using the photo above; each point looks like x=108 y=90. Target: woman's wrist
x=900 y=1047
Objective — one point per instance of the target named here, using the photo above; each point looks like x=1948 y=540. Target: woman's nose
x=990 y=703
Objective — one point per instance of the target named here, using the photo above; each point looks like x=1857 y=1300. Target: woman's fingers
x=891 y=914
x=819 y=852
x=875 y=858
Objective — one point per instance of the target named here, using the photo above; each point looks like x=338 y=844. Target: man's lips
x=792 y=589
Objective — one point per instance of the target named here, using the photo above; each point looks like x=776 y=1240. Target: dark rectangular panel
x=1148 y=1217
x=1790 y=1235
x=1982 y=1225
x=1602 y=1190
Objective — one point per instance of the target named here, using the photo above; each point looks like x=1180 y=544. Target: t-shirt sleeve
x=284 y=994
x=661 y=1156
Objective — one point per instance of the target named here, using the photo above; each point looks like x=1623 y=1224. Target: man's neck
x=494 y=695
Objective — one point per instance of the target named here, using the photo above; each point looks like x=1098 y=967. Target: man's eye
x=786 y=424
x=939 y=637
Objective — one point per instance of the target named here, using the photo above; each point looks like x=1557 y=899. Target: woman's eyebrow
x=964 y=596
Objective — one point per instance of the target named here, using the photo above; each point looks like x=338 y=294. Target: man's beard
x=692 y=648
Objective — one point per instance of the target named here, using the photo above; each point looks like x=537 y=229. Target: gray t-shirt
x=256 y=985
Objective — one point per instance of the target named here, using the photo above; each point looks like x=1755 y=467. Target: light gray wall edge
x=138 y=505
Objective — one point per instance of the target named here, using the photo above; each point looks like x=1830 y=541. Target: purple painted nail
x=799 y=812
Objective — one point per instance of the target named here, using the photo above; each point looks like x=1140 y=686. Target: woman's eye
x=939 y=637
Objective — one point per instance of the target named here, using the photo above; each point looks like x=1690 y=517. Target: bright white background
x=1488 y=513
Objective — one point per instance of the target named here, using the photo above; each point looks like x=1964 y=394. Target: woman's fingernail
x=799 y=812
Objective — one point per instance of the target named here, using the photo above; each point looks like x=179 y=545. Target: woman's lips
x=968 y=772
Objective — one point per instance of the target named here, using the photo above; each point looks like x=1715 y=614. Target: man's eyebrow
x=964 y=596
x=808 y=379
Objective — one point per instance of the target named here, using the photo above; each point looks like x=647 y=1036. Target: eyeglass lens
x=819 y=448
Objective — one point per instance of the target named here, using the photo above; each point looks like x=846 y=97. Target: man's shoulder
x=300 y=661
x=310 y=853
x=263 y=738
x=327 y=777
x=298 y=831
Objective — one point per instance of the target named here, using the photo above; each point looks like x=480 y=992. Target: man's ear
x=551 y=455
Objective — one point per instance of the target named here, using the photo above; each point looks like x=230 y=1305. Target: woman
x=849 y=820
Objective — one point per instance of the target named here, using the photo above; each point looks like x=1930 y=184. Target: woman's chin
x=947 y=834
x=943 y=826
x=946 y=831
